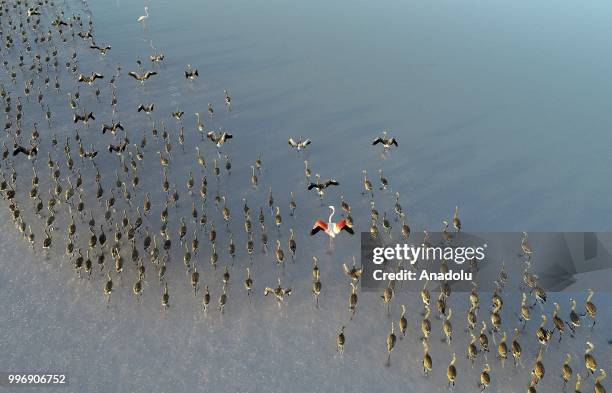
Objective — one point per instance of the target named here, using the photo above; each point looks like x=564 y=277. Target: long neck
x=332 y=214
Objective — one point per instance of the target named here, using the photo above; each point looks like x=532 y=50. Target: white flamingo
x=144 y=17
x=331 y=228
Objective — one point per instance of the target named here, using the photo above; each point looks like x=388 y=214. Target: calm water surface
x=496 y=109
x=501 y=109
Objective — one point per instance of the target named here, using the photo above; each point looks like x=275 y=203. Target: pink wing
x=341 y=225
x=318 y=226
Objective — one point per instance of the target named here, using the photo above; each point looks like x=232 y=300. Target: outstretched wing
x=306 y=142
x=376 y=141
x=134 y=75
x=341 y=225
x=18 y=150
x=331 y=182
x=394 y=142
x=292 y=143
x=319 y=225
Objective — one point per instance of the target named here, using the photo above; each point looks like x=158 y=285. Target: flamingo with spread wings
x=331 y=228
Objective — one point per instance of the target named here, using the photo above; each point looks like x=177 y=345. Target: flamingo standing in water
x=144 y=17
x=331 y=228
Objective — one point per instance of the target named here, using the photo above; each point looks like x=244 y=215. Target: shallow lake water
x=499 y=109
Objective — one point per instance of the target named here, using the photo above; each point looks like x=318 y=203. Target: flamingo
x=144 y=17
x=331 y=228
x=220 y=139
x=386 y=142
x=299 y=144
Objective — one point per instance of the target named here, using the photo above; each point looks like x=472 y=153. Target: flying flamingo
x=331 y=228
